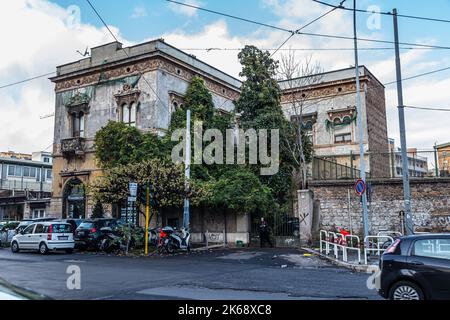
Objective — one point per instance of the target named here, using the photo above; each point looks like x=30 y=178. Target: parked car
x=7 y=231
x=88 y=234
x=416 y=268
x=44 y=237
x=26 y=222
x=75 y=223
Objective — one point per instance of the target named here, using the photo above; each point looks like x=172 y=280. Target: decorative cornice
x=139 y=67
x=328 y=89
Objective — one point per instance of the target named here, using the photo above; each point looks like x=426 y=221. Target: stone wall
x=430 y=205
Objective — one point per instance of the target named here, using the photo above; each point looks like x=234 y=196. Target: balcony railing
x=73 y=146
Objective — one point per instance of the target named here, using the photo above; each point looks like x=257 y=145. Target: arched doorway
x=74 y=200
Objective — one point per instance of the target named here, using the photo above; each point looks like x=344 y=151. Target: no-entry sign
x=360 y=187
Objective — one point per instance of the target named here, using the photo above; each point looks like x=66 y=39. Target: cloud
x=52 y=40
x=55 y=38
x=139 y=12
x=184 y=10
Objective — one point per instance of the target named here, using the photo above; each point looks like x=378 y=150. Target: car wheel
x=43 y=248
x=405 y=290
x=69 y=251
x=15 y=247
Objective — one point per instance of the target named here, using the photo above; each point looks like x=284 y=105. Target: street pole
x=401 y=117
x=187 y=170
x=147 y=216
x=362 y=163
x=436 y=167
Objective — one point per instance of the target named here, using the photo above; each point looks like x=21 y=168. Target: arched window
x=337 y=121
x=347 y=120
x=78 y=124
x=129 y=114
x=307 y=126
x=81 y=115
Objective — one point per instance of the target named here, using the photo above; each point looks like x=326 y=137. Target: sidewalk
x=352 y=263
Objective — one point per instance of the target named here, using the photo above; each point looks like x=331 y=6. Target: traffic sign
x=360 y=187
x=132 y=199
x=133 y=189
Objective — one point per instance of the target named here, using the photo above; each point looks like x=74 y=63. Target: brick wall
x=430 y=205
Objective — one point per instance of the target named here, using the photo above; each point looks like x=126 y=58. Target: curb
x=354 y=267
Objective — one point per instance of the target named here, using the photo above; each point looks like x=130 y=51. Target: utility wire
x=26 y=80
x=231 y=16
x=419 y=75
x=307 y=33
x=126 y=53
x=428 y=109
x=305 y=26
x=383 y=13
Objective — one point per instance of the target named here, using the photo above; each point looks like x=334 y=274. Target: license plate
x=63 y=238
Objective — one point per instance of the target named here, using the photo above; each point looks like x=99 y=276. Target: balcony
x=73 y=146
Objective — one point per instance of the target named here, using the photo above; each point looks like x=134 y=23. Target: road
x=231 y=274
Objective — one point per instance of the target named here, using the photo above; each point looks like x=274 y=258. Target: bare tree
x=298 y=79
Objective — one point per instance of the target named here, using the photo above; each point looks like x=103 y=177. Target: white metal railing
x=375 y=246
x=339 y=242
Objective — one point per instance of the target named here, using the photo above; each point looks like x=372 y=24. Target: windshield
x=61 y=228
x=86 y=225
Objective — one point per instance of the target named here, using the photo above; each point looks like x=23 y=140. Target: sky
x=38 y=35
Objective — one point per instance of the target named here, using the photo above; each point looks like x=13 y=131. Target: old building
x=443 y=158
x=417 y=164
x=326 y=104
x=140 y=85
x=25 y=185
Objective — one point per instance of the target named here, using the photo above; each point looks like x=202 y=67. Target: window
x=11 y=170
x=47 y=160
x=129 y=114
x=78 y=125
x=343 y=138
x=38 y=213
x=347 y=120
x=39 y=228
x=433 y=248
x=49 y=174
x=29 y=229
x=29 y=172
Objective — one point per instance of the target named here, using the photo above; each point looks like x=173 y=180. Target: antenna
x=86 y=52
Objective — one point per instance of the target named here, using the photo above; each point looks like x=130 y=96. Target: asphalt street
x=231 y=274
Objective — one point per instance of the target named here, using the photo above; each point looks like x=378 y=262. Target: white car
x=44 y=237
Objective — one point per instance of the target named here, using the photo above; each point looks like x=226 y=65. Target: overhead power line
x=383 y=13
x=303 y=27
x=231 y=16
x=309 y=33
x=126 y=53
x=26 y=80
x=428 y=109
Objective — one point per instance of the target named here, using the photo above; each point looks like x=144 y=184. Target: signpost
x=360 y=187
x=132 y=186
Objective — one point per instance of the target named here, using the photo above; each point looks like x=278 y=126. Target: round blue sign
x=360 y=187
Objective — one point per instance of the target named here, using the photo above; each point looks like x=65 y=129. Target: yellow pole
x=147 y=216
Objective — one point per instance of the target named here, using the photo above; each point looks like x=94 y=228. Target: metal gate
x=284 y=230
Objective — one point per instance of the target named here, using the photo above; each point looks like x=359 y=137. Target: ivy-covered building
x=142 y=85
x=326 y=105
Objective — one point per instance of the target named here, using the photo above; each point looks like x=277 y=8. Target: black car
x=416 y=268
x=88 y=233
